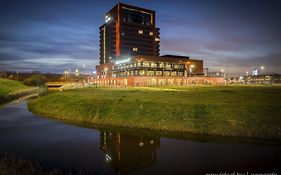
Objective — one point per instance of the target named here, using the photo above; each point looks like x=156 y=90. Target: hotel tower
x=130 y=53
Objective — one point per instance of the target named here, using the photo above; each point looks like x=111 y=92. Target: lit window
x=150 y=33
x=157 y=39
x=140 y=31
x=135 y=49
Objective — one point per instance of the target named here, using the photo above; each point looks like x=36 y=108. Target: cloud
x=53 y=35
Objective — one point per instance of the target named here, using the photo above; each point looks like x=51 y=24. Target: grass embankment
x=10 y=165
x=244 y=111
x=9 y=89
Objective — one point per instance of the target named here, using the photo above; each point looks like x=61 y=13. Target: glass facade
x=148 y=68
x=135 y=16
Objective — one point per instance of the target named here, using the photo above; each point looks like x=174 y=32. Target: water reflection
x=125 y=153
x=111 y=150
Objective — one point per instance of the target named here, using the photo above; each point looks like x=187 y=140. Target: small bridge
x=55 y=85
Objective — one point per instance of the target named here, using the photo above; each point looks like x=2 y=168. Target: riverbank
x=11 y=90
x=10 y=165
x=242 y=111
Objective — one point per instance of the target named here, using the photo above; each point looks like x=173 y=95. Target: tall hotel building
x=128 y=31
x=130 y=53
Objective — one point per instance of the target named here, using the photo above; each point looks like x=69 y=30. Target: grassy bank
x=10 y=165
x=244 y=111
x=9 y=88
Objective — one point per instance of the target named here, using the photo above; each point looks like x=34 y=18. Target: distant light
x=255 y=72
x=222 y=70
x=192 y=65
x=76 y=72
x=262 y=68
x=141 y=144
x=140 y=31
x=240 y=77
x=94 y=72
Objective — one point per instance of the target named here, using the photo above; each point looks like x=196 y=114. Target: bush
x=34 y=80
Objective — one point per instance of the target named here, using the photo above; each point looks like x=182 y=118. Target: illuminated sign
x=107 y=18
x=123 y=61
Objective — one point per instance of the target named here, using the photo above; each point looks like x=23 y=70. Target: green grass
x=244 y=111
x=10 y=87
x=11 y=165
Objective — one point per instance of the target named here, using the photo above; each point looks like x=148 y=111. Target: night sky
x=54 y=35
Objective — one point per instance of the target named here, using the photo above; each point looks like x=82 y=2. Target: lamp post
x=65 y=74
x=77 y=74
x=18 y=74
x=262 y=68
x=222 y=72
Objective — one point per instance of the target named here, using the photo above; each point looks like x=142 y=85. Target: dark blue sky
x=54 y=35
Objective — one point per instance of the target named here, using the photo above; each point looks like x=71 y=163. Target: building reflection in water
x=125 y=152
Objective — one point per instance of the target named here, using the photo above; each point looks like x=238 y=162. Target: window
x=135 y=49
x=150 y=33
x=140 y=31
x=157 y=39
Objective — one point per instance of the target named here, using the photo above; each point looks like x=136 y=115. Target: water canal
x=104 y=151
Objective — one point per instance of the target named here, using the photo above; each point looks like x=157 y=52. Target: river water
x=104 y=151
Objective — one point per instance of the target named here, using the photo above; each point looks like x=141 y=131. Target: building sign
x=107 y=18
x=123 y=61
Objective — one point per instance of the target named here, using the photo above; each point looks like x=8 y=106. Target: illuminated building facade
x=129 y=53
x=141 y=65
x=128 y=31
x=263 y=78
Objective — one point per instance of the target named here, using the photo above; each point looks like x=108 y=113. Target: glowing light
x=123 y=61
x=107 y=18
x=107 y=157
x=140 y=31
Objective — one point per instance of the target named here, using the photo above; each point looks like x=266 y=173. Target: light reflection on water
x=103 y=151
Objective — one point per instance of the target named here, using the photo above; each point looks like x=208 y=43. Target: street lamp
x=262 y=68
x=77 y=74
x=222 y=73
x=65 y=73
